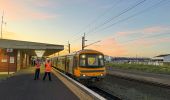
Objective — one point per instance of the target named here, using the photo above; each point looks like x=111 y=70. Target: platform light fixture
x=39 y=53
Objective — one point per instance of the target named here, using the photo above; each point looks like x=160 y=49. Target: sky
x=127 y=28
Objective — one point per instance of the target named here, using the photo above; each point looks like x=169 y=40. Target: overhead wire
x=147 y=9
x=121 y=13
x=151 y=36
x=107 y=21
x=103 y=14
x=138 y=13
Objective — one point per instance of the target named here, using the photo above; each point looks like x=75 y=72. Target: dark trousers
x=37 y=72
x=49 y=75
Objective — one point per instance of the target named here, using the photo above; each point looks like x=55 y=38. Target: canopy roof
x=30 y=47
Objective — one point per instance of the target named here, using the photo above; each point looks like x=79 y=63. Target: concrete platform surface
x=21 y=86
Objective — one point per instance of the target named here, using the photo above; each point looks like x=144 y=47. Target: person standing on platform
x=37 y=69
x=48 y=68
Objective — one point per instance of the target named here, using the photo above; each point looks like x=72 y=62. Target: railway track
x=103 y=93
x=141 y=79
x=114 y=87
x=99 y=91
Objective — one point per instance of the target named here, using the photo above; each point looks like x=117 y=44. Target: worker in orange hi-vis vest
x=37 y=69
x=48 y=68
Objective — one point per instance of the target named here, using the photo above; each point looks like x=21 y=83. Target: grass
x=140 y=67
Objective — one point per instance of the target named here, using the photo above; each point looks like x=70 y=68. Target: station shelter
x=16 y=55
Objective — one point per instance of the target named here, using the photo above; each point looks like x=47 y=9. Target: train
x=85 y=64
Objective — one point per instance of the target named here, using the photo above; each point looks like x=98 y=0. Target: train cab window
x=92 y=61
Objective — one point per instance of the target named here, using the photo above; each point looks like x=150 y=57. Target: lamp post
x=2 y=24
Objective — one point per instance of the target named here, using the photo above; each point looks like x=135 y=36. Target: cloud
x=145 y=31
x=8 y=35
x=12 y=9
x=155 y=30
x=18 y=36
x=123 y=33
x=110 y=46
x=19 y=10
x=166 y=39
x=141 y=40
x=44 y=3
x=39 y=15
x=150 y=42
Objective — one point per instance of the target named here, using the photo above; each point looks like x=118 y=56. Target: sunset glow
x=58 y=21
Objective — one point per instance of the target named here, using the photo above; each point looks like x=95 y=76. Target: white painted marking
x=7 y=72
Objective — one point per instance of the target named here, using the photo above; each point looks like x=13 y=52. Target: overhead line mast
x=110 y=19
x=68 y=47
x=101 y=15
x=117 y=16
x=83 y=41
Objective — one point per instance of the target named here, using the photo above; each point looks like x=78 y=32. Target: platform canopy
x=31 y=47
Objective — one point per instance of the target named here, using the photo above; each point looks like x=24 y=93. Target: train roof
x=81 y=52
x=84 y=51
x=88 y=51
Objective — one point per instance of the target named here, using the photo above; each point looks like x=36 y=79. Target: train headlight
x=100 y=56
x=101 y=74
x=84 y=75
x=83 y=56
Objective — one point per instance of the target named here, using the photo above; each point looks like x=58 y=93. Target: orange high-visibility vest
x=37 y=66
x=48 y=67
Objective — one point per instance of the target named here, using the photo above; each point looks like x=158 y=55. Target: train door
x=67 y=64
x=62 y=64
x=59 y=64
x=75 y=63
x=70 y=64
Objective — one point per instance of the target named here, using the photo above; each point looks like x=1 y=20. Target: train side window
x=82 y=62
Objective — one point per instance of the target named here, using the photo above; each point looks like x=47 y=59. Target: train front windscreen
x=91 y=60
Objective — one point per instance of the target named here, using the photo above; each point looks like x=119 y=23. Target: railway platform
x=159 y=79
x=22 y=86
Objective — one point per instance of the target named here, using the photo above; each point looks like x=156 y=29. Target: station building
x=164 y=59
x=16 y=55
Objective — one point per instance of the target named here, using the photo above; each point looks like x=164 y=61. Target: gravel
x=133 y=90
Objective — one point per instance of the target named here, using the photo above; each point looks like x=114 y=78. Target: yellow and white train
x=83 y=65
